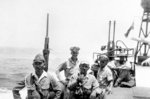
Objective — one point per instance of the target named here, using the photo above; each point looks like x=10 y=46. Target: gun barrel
x=47 y=25
x=46 y=46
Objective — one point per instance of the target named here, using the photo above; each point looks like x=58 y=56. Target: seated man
x=40 y=84
x=104 y=76
x=121 y=71
x=83 y=85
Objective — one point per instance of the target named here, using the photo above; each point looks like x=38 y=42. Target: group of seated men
x=78 y=83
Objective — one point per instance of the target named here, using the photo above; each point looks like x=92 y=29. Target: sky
x=82 y=23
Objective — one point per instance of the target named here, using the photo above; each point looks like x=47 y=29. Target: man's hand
x=80 y=78
x=32 y=80
x=103 y=91
x=64 y=82
x=108 y=91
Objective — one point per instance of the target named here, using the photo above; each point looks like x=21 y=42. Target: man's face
x=74 y=54
x=122 y=58
x=102 y=63
x=84 y=68
x=38 y=65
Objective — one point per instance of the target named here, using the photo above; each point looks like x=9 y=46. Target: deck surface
x=130 y=93
x=121 y=93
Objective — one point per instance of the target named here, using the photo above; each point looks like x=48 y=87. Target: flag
x=128 y=31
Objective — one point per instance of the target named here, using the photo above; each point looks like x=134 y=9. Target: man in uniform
x=40 y=84
x=69 y=67
x=104 y=76
x=83 y=85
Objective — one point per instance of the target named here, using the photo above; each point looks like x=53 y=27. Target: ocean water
x=13 y=70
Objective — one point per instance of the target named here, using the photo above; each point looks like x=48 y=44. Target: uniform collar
x=87 y=75
x=103 y=68
x=85 y=79
x=73 y=62
x=44 y=74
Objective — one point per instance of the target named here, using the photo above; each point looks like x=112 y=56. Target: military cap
x=84 y=63
x=103 y=58
x=39 y=58
x=74 y=49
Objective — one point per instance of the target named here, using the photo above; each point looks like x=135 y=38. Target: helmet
x=39 y=58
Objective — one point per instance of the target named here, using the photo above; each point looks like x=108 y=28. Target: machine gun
x=46 y=46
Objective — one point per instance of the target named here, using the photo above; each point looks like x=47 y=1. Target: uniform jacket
x=45 y=84
x=104 y=77
x=70 y=67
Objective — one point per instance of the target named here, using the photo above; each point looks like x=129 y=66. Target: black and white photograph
x=74 y=49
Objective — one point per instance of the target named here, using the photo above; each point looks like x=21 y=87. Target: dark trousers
x=124 y=75
x=124 y=78
x=75 y=96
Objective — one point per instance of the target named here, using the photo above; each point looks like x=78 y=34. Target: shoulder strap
x=67 y=63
